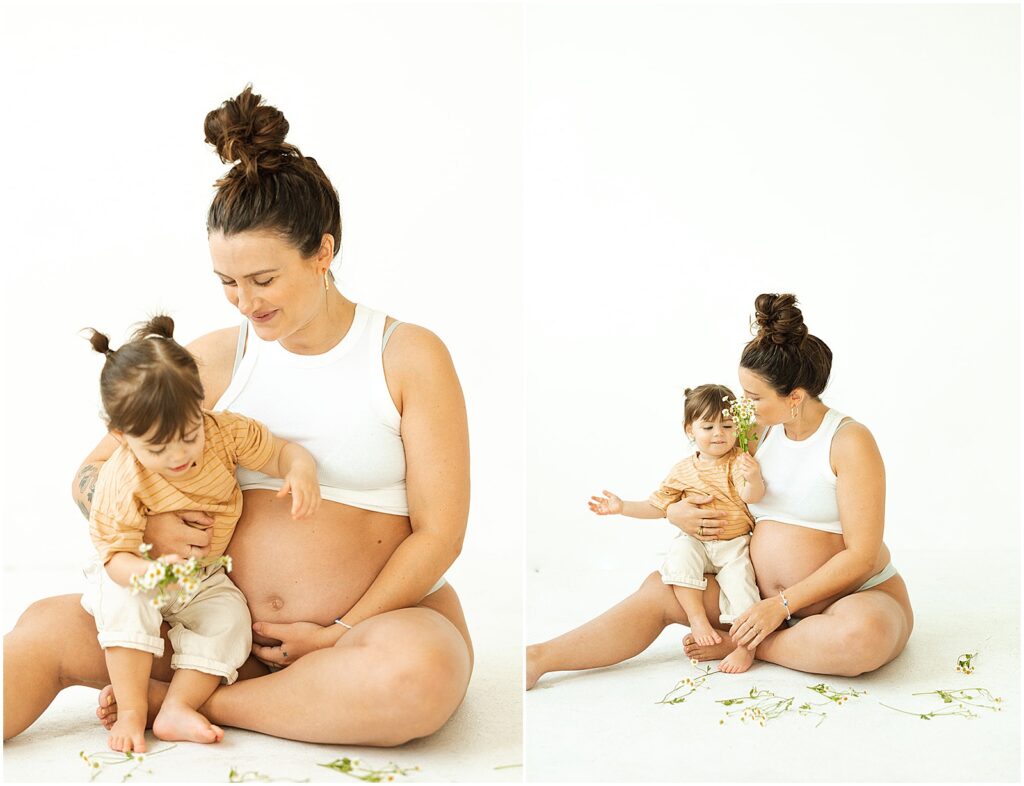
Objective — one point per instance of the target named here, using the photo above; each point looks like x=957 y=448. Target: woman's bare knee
x=419 y=672
x=864 y=643
x=661 y=599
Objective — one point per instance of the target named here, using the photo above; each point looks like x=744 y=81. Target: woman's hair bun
x=778 y=319
x=249 y=132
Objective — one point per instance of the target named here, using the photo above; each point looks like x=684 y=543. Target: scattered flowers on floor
x=356 y=769
x=687 y=686
x=96 y=762
x=965 y=662
x=959 y=703
x=253 y=776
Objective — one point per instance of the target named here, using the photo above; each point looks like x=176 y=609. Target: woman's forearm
x=414 y=567
x=845 y=571
x=84 y=485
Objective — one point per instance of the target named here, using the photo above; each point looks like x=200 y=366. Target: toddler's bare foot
x=703 y=633
x=737 y=661
x=180 y=722
x=107 y=711
x=703 y=652
x=128 y=733
x=533 y=670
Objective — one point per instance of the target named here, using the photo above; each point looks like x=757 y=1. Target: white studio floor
x=481 y=743
x=605 y=725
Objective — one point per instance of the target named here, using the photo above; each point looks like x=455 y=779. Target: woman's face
x=771 y=408
x=269 y=281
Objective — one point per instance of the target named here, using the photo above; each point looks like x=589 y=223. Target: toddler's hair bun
x=249 y=132
x=159 y=325
x=99 y=342
x=687 y=392
x=779 y=321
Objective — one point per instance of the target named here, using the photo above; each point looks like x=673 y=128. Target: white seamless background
x=414 y=112
x=682 y=159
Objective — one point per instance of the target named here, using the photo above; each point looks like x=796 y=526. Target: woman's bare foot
x=107 y=711
x=177 y=721
x=703 y=633
x=533 y=670
x=704 y=652
x=737 y=661
x=128 y=733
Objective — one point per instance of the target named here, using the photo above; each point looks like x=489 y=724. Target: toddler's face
x=713 y=437
x=175 y=460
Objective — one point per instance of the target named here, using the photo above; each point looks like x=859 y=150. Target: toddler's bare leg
x=178 y=718
x=129 y=674
x=692 y=601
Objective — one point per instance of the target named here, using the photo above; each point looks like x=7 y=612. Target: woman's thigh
x=858 y=633
x=392 y=678
x=53 y=646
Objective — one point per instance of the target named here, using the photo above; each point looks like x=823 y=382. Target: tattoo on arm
x=86 y=486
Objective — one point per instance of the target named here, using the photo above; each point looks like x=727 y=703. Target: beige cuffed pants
x=211 y=633
x=689 y=559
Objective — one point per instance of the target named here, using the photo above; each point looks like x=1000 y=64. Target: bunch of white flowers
x=161 y=576
x=744 y=415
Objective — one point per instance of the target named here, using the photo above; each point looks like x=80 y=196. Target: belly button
x=276 y=604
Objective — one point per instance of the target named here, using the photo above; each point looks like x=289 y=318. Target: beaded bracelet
x=786 y=604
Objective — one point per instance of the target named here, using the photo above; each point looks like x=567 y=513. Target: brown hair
x=150 y=382
x=272 y=186
x=782 y=352
x=705 y=403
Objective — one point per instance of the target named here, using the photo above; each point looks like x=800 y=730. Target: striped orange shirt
x=690 y=478
x=126 y=492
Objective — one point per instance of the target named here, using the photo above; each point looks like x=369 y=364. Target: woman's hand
x=186 y=533
x=753 y=625
x=608 y=505
x=297 y=638
x=695 y=521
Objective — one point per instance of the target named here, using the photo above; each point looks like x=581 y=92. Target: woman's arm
x=171 y=533
x=434 y=430
x=860 y=492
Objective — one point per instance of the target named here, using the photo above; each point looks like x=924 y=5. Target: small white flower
x=145 y=548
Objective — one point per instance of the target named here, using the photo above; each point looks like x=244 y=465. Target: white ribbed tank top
x=800 y=487
x=336 y=405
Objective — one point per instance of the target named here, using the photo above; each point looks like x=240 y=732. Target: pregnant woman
x=832 y=601
x=359 y=639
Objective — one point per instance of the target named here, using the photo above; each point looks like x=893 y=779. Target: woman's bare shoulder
x=413 y=349
x=215 y=356
x=853 y=442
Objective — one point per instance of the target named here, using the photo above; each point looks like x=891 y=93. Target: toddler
x=173 y=456
x=732 y=478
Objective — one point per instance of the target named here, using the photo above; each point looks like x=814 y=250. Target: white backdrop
x=414 y=112
x=681 y=160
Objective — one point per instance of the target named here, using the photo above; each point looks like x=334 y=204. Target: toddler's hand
x=747 y=467
x=608 y=505
x=304 y=487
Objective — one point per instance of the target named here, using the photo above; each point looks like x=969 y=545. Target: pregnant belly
x=312 y=570
x=784 y=554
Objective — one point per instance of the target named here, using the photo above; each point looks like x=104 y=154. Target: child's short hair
x=705 y=403
x=150 y=384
